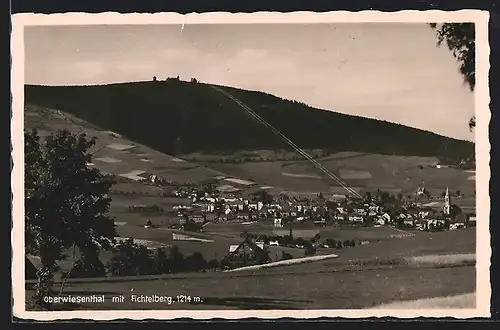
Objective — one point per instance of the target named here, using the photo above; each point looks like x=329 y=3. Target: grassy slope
x=177 y=116
x=390 y=173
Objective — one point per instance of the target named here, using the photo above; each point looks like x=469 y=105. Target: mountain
x=178 y=117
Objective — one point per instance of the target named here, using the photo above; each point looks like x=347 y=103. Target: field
x=361 y=277
x=116 y=154
x=364 y=172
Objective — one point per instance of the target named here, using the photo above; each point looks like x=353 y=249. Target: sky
x=387 y=71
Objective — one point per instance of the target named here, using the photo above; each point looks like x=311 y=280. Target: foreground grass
x=467 y=300
x=409 y=268
x=340 y=289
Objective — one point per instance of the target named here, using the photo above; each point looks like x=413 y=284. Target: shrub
x=176 y=259
x=162 y=262
x=286 y=256
x=195 y=262
x=212 y=264
x=331 y=242
x=86 y=267
x=131 y=259
x=310 y=250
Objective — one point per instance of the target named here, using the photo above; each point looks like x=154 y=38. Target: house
x=198 y=218
x=386 y=217
x=339 y=217
x=275 y=206
x=409 y=222
x=237 y=205
x=254 y=205
x=360 y=211
x=356 y=218
x=243 y=216
x=320 y=222
x=471 y=221
x=246 y=253
x=423 y=214
x=205 y=207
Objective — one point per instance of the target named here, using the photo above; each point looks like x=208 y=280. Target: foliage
x=461 y=41
x=66 y=202
x=180 y=110
x=309 y=251
x=213 y=264
x=177 y=259
x=87 y=266
x=131 y=259
x=162 y=262
x=195 y=262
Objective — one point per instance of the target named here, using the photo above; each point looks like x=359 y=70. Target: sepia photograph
x=223 y=165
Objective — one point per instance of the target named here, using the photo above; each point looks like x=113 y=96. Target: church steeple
x=447 y=204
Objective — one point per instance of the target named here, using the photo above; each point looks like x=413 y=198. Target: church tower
x=447 y=203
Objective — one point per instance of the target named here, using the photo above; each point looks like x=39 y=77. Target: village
x=287 y=213
x=379 y=210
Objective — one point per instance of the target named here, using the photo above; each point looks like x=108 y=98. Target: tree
x=310 y=250
x=195 y=262
x=87 y=266
x=461 y=41
x=176 y=259
x=66 y=203
x=213 y=264
x=162 y=262
x=131 y=259
x=265 y=197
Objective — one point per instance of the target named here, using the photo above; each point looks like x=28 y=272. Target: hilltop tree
x=66 y=203
x=461 y=41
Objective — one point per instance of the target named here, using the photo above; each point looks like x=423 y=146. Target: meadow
x=361 y=277
x=363 y=172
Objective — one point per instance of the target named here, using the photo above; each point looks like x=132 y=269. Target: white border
x=483 y=250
